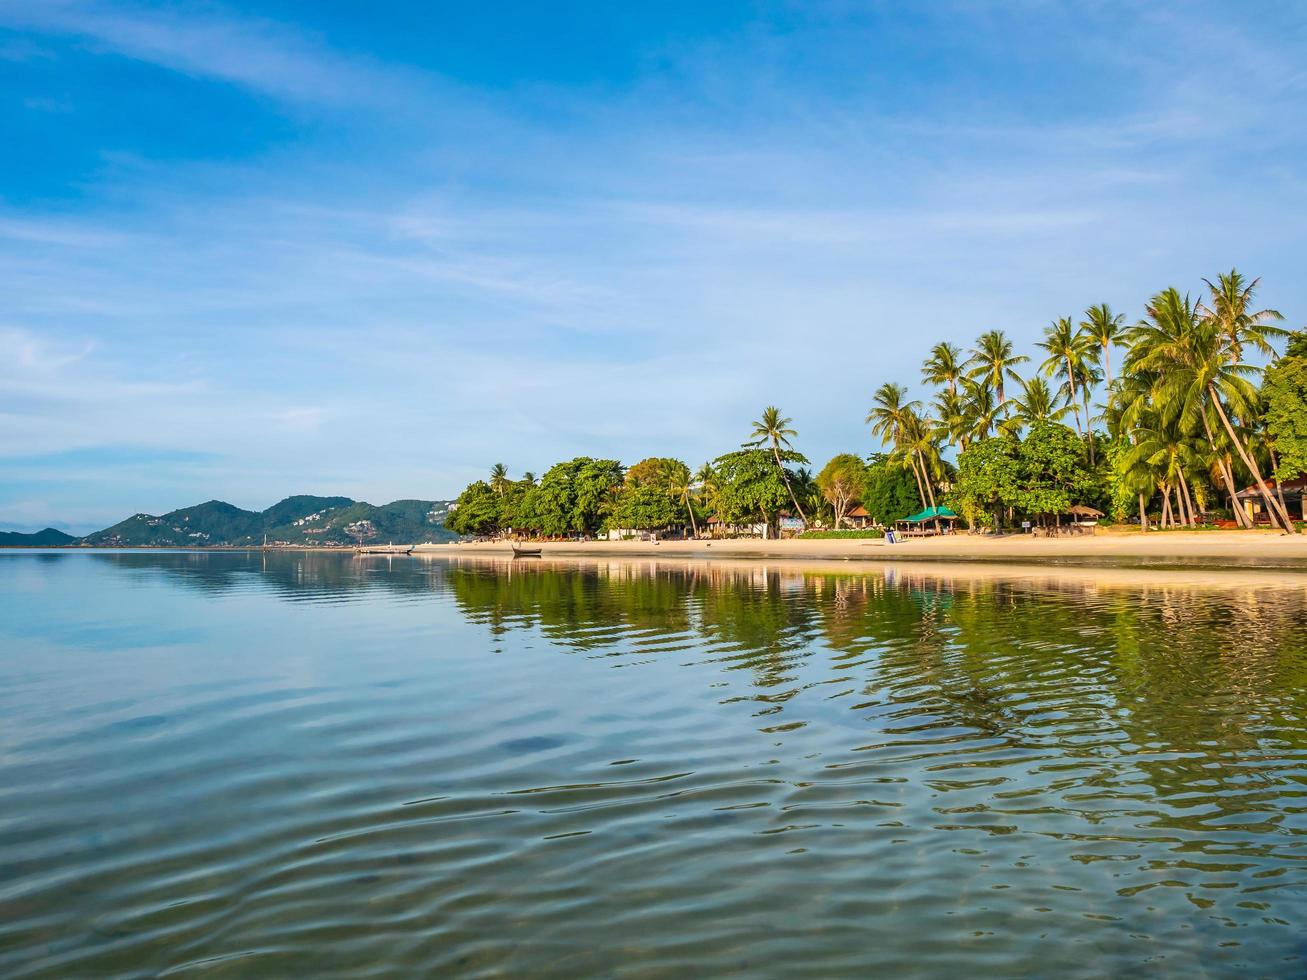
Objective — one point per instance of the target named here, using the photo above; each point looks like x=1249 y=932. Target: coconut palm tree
x=706 y=487
x=1228 y=305
x=1066 y=355
x=944 y=367
x=993 y=358
x=1106 y=329
x=1037 y=403
x=896 y=422
x=499 y=478
x=981 y=411
x=680 y=484
x=773 y=429
x=1197 y=373
x=950 y=412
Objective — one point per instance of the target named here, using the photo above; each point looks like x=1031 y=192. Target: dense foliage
x=1172 y=435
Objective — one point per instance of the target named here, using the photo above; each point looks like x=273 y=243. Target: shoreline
x=1243 y=549
x=1212 y=549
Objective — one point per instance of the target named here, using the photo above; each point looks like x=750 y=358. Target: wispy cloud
x=203 y=40
x=431 y=276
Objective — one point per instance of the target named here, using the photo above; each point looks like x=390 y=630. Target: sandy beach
x=1244 y=549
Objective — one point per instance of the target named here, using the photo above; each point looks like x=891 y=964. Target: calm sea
x=236 y=764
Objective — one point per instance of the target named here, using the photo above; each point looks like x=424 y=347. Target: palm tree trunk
x=1166 y=505
x=1226 y=476
x=1107 y=363
x=925 y=476
x=1272 y=505
x=1188 y=499
x=694 y=525
x=1089 y=428
x=1075 y=405
x=786 y=477
x=1143 y=513
x=920 y=490
x=1279 y=484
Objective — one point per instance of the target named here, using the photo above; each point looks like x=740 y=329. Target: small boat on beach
x=384 y=549
x=519 y=552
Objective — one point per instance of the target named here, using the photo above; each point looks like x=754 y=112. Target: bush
x=825 y=535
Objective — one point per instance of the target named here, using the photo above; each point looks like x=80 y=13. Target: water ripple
x=274 y=764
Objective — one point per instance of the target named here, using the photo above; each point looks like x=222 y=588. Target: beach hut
x=1291 y=491
x=1084 y=516
x=858 y=518
x=936 y=517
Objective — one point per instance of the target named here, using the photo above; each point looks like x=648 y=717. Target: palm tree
x=498 y=478
x=1065 y=359
x=1230 y=299
x=891 y=418
x=680 y=484
x=1037 y=403
x=981 y=411
x=992 y=358
x=529 y=478
x=951 y=415
x=944 y=367
x=773 y=429
x=705 y=482
x=1197 y=372
x=1104 y=328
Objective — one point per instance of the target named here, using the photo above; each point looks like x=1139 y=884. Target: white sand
x=1246 y=548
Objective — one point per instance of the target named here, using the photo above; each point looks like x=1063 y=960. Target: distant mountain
x=49 y=538
x=298 y=520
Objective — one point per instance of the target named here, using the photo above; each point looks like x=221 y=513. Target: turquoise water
x=237 y=764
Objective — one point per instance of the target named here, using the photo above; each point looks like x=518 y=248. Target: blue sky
x=248 y=250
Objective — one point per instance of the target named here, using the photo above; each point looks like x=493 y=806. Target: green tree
x=1037 y=403
x=841 y=481
x=993 y=360
x=1066 y=356
x=1284 y=393
x=476 y=511
x=1052 y=471
x=1106 y=329
x=944 y=367
x=644 y=507
x=573 y=497
x=749 y=487
x=773 y=430
x=1228 y=308
x=987 y=480
x=889 y=492
x=1197 y=371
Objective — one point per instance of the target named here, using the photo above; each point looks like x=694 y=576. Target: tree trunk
x=925 y=475
x=1279 y=484
x=694 y=526
x=920 y=490
x=1166 y=506
x=1239 y=516
x=1188 y=499
x=1075 y=406
x=1089 y=429
x=1272 y=505
x=1107 y=363
x=1143 y=512
x=786 y=477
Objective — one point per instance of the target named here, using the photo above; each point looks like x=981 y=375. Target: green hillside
x=214 y=522
x=49 y=538
x=407 y=521
x=298 y=520
x=299 y=506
